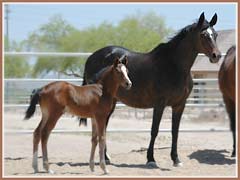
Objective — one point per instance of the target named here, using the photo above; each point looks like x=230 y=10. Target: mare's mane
x=182 y=33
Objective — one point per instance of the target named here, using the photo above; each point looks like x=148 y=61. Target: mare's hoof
x=108 y=161
x=178 y=164
x=233 y=155
x=152 y=164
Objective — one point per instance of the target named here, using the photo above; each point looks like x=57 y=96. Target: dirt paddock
x=202 y=153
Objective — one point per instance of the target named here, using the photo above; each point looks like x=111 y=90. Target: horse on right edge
x=227 y=84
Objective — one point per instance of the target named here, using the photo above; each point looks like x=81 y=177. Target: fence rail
x=49 y=54
x=64 y=54
x=57 y=131
x=204 y=94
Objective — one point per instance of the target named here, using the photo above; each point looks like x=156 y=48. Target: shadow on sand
x=212 y=157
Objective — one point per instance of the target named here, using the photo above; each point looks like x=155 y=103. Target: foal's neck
x=110 y=87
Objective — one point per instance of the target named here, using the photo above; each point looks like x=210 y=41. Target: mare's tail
x=33 y=102
x=83 y=121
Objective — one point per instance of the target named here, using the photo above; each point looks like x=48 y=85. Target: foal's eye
x=118 y=71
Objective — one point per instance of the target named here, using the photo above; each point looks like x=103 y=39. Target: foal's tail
x=83 y=121
x=34 y=100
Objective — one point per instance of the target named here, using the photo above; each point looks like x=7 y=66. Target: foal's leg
x=36 y=140
x=44 y=138
x=157 y=116
x=176 y=118
x=230 y=107
x=102 y=141
x=94 y=144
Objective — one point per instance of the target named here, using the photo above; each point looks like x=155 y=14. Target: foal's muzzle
x=128 y=85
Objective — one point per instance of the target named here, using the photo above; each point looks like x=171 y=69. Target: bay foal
x=95 y=101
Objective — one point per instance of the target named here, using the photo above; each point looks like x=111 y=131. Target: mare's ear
x=125 y=60
x=200 y=21
x=213 y=20
x=116 y=61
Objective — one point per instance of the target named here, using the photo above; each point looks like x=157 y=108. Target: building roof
x=226 y=38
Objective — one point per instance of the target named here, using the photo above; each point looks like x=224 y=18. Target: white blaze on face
x=124 y=71
x=210 y=32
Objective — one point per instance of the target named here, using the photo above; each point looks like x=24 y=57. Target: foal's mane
x=101 y=74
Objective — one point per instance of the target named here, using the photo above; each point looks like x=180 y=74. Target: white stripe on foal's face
x=210 y=32
x=124 y=71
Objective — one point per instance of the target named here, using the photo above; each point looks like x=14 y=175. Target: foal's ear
x=201 y=20
x=125 y=60
x=116 y=61
x=213 y=20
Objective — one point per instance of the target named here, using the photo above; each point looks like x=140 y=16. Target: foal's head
x=120 y=73
x=207 y=38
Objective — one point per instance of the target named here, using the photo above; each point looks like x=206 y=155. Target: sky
x=25 y=18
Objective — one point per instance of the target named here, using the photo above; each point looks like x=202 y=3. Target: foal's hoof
x=91 y=165
x=233 y=154
x=106 y=171
x=152 y=164
x=36 y=171
x=51 y=171
x=178 y=164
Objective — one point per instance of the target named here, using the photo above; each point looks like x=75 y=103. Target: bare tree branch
x=71 y=74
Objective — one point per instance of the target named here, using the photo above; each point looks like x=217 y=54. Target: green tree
x=139 y=32
x=51 y=37
x=15 y=67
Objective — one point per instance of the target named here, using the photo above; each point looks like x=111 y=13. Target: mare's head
x=206 y=38
x=120 y=72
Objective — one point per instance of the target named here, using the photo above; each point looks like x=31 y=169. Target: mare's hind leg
x=230 y=107
x=176 y=118
x=157 y=116
x=107 y=157
x=52 y=120
x=94 y=144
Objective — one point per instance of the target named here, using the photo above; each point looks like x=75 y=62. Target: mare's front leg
x=176 y=118
x=107 y=157
x=157 y=116
x=94 y=144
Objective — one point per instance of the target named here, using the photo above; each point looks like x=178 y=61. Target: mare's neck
x=109 y=86
x=182 y=52
x=185 y=53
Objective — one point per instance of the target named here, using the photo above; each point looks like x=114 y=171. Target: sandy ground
x=202 y=153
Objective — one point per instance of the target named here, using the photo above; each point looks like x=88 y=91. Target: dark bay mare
x=227 y=85
x=95 y=101
x=162 y=76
